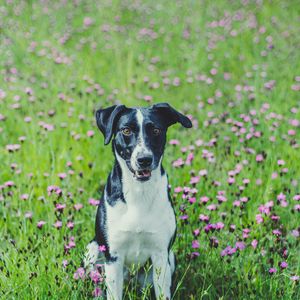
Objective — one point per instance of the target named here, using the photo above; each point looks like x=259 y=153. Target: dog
x=135 y=220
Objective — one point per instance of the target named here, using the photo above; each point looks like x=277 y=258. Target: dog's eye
x=126 y=131
x=156 y=131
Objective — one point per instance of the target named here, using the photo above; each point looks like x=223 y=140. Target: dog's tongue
x=144 y=173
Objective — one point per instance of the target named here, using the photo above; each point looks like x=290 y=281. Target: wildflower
x=65 y=263
x=78 y=206
x=60 y=207
x=79 y=274
x=95 y=276
x=276 y=232
x=102 y=248
x=97 y=292
x=294 y=278
x=40 y=224
x=240 y=245
x=57 y=224
x=272 y=270
x=70 y=225
x=283 y=265
x=254 y=244
x=94 y=202
x=195 y=244
x=62 y=175
x=174 y=142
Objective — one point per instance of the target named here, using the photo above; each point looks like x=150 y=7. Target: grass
x=213 y=60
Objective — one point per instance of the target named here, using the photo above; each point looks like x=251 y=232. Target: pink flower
x=204 y=199
x=24 y=196
x=283 y=265
x=240 y=245
x=195 y=180
x=192 y=200
x=212 y=207
x=65 y=263
x=79 y=274
x=254 y=244
x=40 y=224
x=78 y=206
x=28 y=215
x=87 y=21
x=90 y=133
x=9 y=183
x=97 y=292
x=272 y=270
x=259 y=158
x=203 y=172
x=94 y=202
x=178 y=189
x=70 y=225
x=204 y=218
x=57 y=224
x=259 y=219
x=294 y=278
x=102 y=248
x=60 y=207
x=62 y=175
x=276 y=232
x=95 y=276
x=174 y=142
x=178 y=163
x=195 y=244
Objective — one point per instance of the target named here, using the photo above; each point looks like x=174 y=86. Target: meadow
x=232 y=66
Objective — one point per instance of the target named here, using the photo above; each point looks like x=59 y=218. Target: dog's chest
x=141 y=226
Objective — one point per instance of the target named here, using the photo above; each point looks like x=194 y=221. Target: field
x=232 y=66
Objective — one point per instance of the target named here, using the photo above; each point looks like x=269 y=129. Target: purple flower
x=174 y=142
x=294 y=278
x=70 y=225
x=272 y=270
x=57 y=224
x=276 y=232
x=97 y=292
x=78 y=206
x=60 y=207
x=254 y=244
x=240 y=245
x=102 y=248
x=62 y=175
x=95 y=276
x=79 y=274
x=283 y=265
x=195 y=244
x=94 y=202
x=90 y=133
x=40 y=224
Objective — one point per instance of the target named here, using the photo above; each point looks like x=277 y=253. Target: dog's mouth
x=142 y=175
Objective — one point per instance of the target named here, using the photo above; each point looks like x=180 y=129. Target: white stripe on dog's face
x=141 y=148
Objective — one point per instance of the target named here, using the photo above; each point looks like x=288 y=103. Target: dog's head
x=139 y=134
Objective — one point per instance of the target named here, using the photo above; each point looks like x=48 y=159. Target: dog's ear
x=171 y=115
x=106 y=120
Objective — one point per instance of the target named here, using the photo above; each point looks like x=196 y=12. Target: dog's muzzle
x=144 y=163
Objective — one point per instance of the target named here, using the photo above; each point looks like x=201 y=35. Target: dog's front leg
x=162 y=275
x=114 y=279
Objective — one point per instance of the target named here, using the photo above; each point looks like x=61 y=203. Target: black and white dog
x=135 y=220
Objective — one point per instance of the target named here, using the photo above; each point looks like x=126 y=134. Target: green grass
x=111 y=61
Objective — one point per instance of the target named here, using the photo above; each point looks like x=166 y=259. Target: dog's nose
x=144 y=161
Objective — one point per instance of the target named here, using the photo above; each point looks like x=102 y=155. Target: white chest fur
x=145 y=223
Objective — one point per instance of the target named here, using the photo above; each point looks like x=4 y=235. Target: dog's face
x=139 y=134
